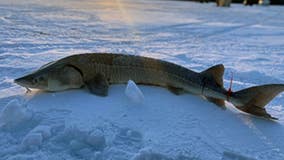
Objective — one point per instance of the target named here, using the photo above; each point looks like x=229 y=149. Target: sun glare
x=125 y=15
x=114 y=10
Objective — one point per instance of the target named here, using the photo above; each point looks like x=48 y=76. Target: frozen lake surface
x=74 y=124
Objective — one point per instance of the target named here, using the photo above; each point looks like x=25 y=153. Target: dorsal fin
x=216 y=73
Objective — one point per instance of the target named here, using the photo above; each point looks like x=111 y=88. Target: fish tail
x=256 y=98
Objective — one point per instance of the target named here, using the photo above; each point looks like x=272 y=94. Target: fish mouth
x=23 y=81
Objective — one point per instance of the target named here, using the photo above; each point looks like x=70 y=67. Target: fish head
x=52 y=78
x=35 y=80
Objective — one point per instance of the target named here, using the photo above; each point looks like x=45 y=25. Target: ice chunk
x=36 y=136
x=133 y=93
x=44 y=130
x=97 y=155
x=14 y=113
x=73 y=132
x=32 y=140
x=77 y=145
x=128 y=137
x=96 y=139
x=84 y=153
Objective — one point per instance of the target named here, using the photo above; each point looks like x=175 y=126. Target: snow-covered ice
x=75 y=124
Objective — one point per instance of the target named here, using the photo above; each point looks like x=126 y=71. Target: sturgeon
x=97 y=71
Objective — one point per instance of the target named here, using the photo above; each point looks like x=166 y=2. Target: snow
x=32 y=140
x=75 y=124
x=13 y=114
x=148 y=154
x=44 y=130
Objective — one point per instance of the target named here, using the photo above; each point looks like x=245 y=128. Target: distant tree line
x=246 y=2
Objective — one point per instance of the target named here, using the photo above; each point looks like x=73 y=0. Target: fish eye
x=35 y=80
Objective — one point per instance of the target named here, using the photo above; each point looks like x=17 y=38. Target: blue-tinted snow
x=249 y=41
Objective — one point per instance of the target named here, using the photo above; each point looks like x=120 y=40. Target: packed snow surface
x=139 y=122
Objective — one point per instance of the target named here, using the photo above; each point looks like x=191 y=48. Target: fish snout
x=23 y=81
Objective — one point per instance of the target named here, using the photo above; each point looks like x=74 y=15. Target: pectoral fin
x=98 y=85
x=218 y=102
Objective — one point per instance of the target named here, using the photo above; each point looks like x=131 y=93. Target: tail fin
x=255 y=98
x=214 y=75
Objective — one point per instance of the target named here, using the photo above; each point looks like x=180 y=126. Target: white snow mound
x=44 y=130
x=96 y=139
x=32 y=140
x=14 y=113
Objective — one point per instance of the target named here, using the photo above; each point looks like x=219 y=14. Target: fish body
x=97 y=71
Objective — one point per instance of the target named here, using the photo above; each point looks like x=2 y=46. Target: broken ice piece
x=133 y=93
